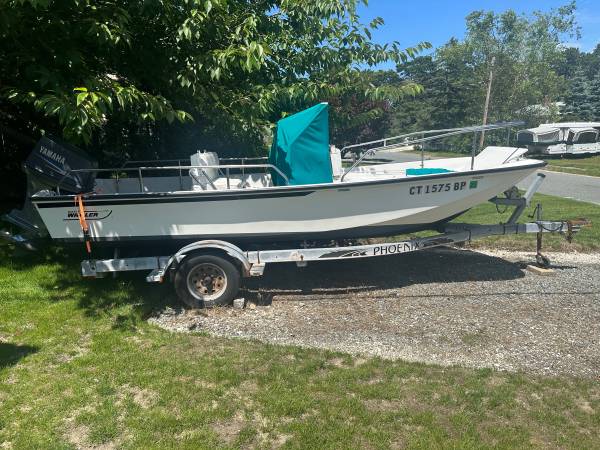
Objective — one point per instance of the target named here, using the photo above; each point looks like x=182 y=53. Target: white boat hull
x=338 y=210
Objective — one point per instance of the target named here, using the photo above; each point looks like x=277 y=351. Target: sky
x=436 y=21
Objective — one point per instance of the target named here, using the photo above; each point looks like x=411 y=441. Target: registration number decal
x=435 y=188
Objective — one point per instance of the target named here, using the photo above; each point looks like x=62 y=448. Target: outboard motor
x=50 y=163
x=48 y=169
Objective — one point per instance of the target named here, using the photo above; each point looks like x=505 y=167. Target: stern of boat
x=48 y=167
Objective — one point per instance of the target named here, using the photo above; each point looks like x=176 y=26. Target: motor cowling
x=51 y=162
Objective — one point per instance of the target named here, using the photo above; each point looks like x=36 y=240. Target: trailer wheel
x=204 y=281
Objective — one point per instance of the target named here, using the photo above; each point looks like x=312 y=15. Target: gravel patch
x=442 y=306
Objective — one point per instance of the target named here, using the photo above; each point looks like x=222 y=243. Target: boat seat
x=256 y=181
x=237 y=181
x=337 y=169
x=202 y=178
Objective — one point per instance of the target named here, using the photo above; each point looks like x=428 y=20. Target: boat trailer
x=208 y=272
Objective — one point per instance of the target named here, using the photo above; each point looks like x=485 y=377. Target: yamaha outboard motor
x=51 y=162
x=49 y=168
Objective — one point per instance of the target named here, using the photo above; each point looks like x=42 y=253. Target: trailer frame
x=253 y=262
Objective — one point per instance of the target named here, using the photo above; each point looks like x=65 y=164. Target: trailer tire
x=205 y=281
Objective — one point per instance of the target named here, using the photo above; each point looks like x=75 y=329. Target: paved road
x=578 y=187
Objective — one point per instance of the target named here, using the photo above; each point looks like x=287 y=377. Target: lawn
x=80 y=368
x=581 y=166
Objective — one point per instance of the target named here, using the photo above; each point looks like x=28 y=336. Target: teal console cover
x=301 y=147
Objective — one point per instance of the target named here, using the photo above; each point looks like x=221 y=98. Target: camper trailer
x=562 y=139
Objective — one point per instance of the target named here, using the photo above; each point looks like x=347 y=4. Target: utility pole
x=487 y=100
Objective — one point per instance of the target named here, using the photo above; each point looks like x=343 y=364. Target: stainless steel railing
x=404 y=141
x=224 y=167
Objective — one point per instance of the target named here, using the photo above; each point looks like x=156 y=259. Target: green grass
x=80 y=367
x=581 y=166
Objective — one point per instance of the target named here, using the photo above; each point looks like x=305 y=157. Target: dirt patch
x=144 y=398
x=280 y=440
x=384 y=405
x=78 y=436
x=228 y=430
x=585 y=406
x=12 y=379
x=265 y=433
x=343 y=363
x=357 y=362
x=374 y=380
x=495 y=381
x=139 y=342
x=337 y=362
x=205 y=384
x=248 y=387
x=81 y=348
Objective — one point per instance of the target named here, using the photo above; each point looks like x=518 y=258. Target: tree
x=356 y=118
x=527 y=83
x=449 y=85
x=582 y=96
x=86 y=64
x=147 y=79
x=527 y=51
x=594 y=89
x=578 y=104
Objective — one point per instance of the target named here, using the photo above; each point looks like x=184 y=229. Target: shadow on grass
x=62 y=280
x=10 y=354
x=441 y=265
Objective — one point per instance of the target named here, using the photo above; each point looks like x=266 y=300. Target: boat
x=302 y=192
x=562 y=139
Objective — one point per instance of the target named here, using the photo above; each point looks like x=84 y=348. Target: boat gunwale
x=274 y=191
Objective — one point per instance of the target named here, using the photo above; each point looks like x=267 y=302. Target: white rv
x=562 y=139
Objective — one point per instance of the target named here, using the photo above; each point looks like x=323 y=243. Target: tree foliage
x=528 y=58
x=98 y=70
x=582 y=97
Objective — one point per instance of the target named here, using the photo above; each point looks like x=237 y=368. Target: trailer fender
x=222 y=246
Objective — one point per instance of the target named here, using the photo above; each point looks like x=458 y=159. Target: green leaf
x=81 y=97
